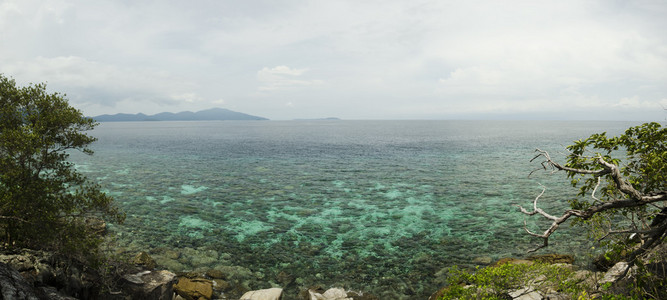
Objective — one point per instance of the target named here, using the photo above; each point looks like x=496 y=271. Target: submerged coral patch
x=190 y=189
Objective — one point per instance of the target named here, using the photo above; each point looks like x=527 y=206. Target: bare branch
x=595 y=189
x=634 y=199
x=548 y=161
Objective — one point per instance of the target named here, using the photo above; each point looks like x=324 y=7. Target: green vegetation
x=497 y=282
x=616 y=199
x=44 y=201
x=622 y=185
x=645 y=171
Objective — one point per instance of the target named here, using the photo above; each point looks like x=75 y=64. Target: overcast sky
x=357 y=59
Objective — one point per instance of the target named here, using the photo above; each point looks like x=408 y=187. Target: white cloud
x=90 y=82
x=635 y=102
x=282 y=77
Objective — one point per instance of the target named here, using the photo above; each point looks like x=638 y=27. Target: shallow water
x=379 y=206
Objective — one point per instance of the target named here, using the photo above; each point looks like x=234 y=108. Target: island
x=213 y=114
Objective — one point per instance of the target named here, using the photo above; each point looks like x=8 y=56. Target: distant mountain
x=204 y=115
x=320 y=119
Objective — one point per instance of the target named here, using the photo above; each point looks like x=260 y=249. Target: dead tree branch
x=634 y=199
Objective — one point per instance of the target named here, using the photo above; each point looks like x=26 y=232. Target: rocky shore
x=31 y=274
x=35 y=274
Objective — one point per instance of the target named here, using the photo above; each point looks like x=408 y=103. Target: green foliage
x=43 y=199
x=496 y=282
x=646 y=158
x=640 y=153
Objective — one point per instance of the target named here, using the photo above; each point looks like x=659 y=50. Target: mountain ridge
x=212 y=114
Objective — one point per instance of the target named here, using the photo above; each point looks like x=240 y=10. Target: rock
x=558 y=296
x=144 y=260
x=330 y=294
x=585 y=277
x=170 y=264
x=198 y=258
x=266 y=294
x=235 y=272
x=18 y=262
x=553 y=258
x=284 y=278
x=14 y=286
x=52 y=293
x=220 y=285
x=509 y=260
x=614 y=274
x=361 y=296
x=525 y=294
x=157 y=285
x=215 y=274
x=193 y=289
x=482 y=260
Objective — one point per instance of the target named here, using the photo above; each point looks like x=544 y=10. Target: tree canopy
x=43 y=199
x=622 y=188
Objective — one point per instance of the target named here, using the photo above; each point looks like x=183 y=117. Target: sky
x=390 y=59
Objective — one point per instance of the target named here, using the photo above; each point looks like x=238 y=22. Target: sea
x=382 y=207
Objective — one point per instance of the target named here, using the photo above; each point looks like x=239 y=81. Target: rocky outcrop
x=14 y=286
x=614 y=274
x=44 y=269
x=53 y=277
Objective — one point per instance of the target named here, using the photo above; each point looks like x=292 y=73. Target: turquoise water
x=378 y=206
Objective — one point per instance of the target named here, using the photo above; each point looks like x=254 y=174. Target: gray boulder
x=14 y=286
x=150 y=285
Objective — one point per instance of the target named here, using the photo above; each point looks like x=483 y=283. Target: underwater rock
x=266 y=294
x=361 y=296
x=215 y=274
x=482 y=260
x=330 y=294
x=220 y=285
x=235 y=272
x=144 y=260
x=193 y=289
x=284 y=278
x=170 y=264
x=198 y=258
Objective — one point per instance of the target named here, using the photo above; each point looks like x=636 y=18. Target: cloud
x=365 y=59
x=90 y=82
x=635 y=103
x=282 y=78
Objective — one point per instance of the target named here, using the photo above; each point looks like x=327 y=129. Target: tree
x=43 y=199
x=624 y=202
